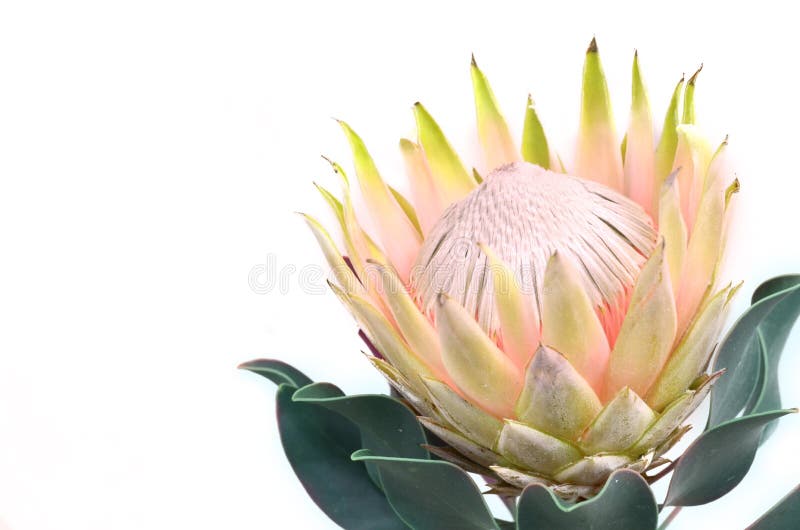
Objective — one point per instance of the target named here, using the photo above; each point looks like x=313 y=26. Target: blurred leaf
x=625 y=503
x=277 y=371
x=783 y=516
x=431 y=494
x=718 y=460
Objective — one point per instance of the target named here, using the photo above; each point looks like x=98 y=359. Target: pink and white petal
x=341 y=271
x=423 y=191
x=648 y=331
x=639 y=167
x=570 y=324
x=415 y=327
x=702 y=255
x=691 y=161
x=519 y=324
x=474 y=363
x=598 y=156
x=498 y=146
x=450 y=177
x=399 y=238
x=673 y=229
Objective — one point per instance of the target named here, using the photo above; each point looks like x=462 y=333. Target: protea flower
x=550 y=324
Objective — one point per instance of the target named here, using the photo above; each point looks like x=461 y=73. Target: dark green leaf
x=740 y=355
x=775 y=285
x=431 y=494
x=773 y=333
x=625 y=503
x=278 y=372
x=389 y=428
x=318 y=444
x=755 y=395
x=718 y=460
x=783 y=516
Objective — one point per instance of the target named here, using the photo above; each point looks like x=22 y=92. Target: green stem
x=672 y=515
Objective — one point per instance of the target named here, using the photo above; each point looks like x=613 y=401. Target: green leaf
x=318 y=444
x=782 y=516
x=739 y=353
x=431 y=494
x=773 y=333
x=775 y=285
x=762 y=374
x=388 y=427
x=718 y=460
x=625 y=503
x=277 y=371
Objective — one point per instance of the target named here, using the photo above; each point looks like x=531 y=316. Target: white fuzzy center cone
x=526 y=214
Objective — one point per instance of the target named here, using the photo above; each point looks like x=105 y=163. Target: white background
x=152 y=154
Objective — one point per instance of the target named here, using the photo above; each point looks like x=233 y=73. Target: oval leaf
x=625 y=503
x=431 y=494
x=718 y=460
x=318 y=444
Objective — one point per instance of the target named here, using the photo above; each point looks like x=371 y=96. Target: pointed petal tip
x=335 y=166
x=732 y=190
x=693 y=79
x=734 y=291
x=592 y=46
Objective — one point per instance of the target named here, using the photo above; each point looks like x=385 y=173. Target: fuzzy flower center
x=526 y=214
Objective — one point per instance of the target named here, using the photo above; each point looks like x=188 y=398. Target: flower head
x=549 y=324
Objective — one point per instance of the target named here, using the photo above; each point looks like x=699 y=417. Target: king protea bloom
x=550 y=324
